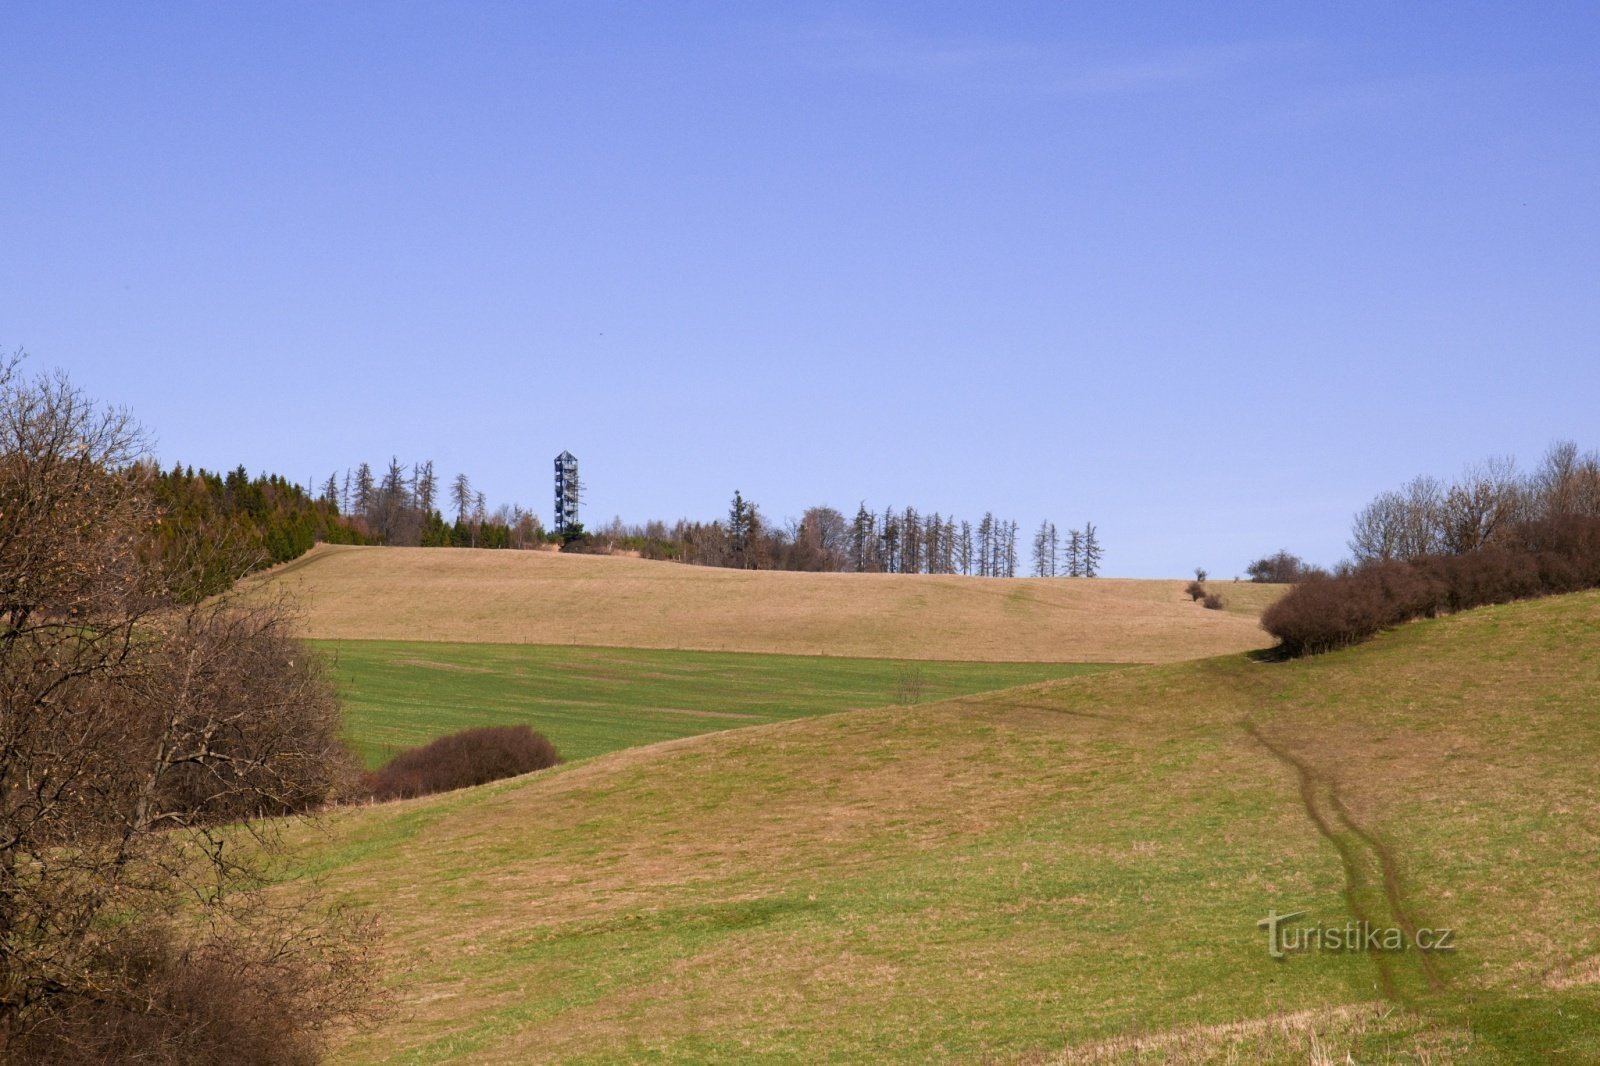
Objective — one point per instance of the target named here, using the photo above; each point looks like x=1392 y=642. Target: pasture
x=531 y=597
x=590 y=701
x=1069 y=871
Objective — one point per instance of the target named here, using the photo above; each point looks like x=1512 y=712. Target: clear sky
x=1208 y=275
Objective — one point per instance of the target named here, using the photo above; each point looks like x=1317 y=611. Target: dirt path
x=1360 y=851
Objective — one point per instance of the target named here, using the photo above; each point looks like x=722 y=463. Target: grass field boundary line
x=1103 y=665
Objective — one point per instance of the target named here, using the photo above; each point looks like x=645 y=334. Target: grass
x=589 y=701
x=531 y=597
x=1063 y=872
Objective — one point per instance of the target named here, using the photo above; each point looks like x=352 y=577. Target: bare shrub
x=1212 y=602
x=265 y=996
x=1282 y=568
x=1195 y=591
x=461 y=760
x=132 y=723
x=908 y=684
x=1535 y=558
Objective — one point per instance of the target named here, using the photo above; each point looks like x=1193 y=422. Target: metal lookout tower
x=566 y=491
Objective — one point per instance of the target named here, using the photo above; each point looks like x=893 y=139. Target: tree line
x=404 y=508
x=274 y=520
x=1494 y=536
x=891 y=541
x=1485 y=506
x=214 y=520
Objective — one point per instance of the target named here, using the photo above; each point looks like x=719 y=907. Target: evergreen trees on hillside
x=215 y=521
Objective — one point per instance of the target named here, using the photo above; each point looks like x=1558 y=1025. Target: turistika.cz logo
x=1285 y=938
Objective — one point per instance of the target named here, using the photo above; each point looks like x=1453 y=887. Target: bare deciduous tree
x=132 y=726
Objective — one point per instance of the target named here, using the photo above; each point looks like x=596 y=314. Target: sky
x=1210 y=276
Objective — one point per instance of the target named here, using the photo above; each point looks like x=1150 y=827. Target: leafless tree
x=1567 y=482
x=393 y=512
x=133 y=726
x=819 y=541
x=461 y=495
x=364 y=487
x=425 y=486
x=1483 y=504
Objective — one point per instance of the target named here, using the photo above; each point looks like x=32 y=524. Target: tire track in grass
x=1357 y=847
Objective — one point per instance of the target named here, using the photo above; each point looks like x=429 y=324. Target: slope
x=504 y=597
x=1071 y=871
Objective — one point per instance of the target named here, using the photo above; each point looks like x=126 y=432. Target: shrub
x=134 y=712
x=1212 y=602
x=263 y=999
x=1195 y=591
x=461 y=760
x=1280 y=569
x=1543 y=558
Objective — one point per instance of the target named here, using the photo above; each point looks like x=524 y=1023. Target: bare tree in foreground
x=132 y=727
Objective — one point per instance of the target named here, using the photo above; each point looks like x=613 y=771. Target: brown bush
x=1195 y=591
x=134 y=716
x=1543 y=558
x=1284 y=568
x=461 y=760
x=1212 y=602
x=264 y=996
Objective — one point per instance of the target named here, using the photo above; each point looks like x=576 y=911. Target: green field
x=589 y=701
x=1067 y=872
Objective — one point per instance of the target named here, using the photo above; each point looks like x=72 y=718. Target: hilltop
x=1064 y=872
x=527 y=597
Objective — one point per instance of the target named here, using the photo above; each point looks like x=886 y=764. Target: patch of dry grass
x=444 y=594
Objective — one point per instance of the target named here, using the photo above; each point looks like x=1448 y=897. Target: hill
x=1065 y=872
x=526 y=597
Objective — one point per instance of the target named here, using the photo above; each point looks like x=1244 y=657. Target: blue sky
x=1210 y=276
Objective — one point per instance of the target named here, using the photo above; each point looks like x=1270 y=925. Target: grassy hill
x=505 y=597
x=1065 y=872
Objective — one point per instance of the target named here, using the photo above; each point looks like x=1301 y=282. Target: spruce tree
x=1075 y=553
x=1043 y=562
x=1091 y=551
x=739 y=530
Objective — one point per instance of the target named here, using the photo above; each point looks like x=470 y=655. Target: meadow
x=590 y=701
x=531 y=597
x=1067 y=871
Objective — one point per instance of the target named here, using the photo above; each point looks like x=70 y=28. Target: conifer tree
x=363 y=492
x=1075 y=553
x=1043 y=562
x=911 y=542
x=425 y=486
x=863 y=540
x=1091 y=551
x=739 y=530
x=891 y=541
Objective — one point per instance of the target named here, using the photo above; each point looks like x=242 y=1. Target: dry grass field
x=1064 y=872
x=504 y=597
